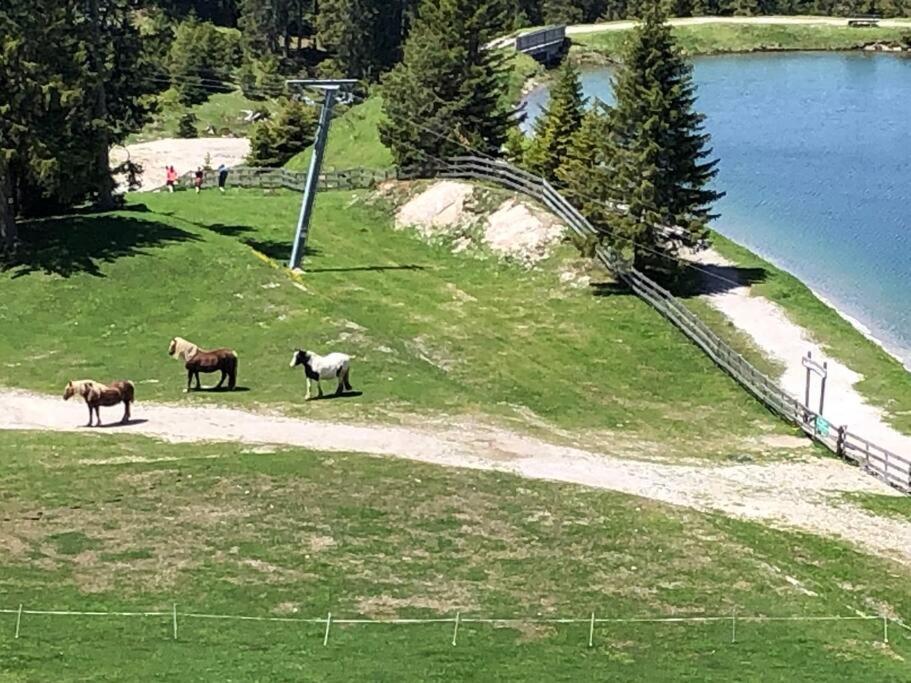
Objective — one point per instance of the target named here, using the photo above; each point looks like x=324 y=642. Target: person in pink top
x=171 y=178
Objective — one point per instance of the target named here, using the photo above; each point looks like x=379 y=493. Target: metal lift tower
x=331 y=88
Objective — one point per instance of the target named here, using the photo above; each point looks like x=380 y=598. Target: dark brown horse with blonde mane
x=97 y=394
x=197 y=360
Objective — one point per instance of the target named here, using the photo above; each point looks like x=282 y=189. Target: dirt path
x=184 y=154
x=697 y=21
x=802 y=495
x=770 y=328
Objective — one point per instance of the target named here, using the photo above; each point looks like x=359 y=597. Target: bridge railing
x=878 y=461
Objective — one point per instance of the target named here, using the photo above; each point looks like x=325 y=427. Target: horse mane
x=85 y=387
x=184 y=349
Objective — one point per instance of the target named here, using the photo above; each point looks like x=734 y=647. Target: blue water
x=815 y=157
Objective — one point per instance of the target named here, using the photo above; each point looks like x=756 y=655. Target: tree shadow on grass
x=75 y=244
x=702 y=279
x=710 y=278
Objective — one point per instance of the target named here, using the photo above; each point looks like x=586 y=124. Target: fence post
x=885 y=630
x=18 y=619
x=328 y=624
x=591 y=631
x=734 y=625
x=455 y=631
x=174 y=614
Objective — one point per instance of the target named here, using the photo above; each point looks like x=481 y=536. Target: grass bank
x=886 y=382
x=354 y=140
x=135 y=524
x=221 y=112
x=100 y=295
x=722 y=38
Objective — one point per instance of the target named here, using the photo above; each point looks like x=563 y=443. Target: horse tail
x=232 y=370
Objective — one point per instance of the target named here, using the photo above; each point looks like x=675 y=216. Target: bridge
x=544 y=44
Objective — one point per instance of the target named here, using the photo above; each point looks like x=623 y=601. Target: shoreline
x=826 y=299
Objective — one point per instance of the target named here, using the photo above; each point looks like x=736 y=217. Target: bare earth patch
x=515 y=230
x=806 y=494
x=770 y=328
x=184 y=154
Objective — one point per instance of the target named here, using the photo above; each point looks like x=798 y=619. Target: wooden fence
x=880 y=462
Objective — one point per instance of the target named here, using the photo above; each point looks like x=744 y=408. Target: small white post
x=328 y=624
x=455 y=630
x=18 y=619
x=591 y=631
x=174 y=615
x=885 y=630
x=734 y=625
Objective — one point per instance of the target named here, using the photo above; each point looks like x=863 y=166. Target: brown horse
x=197 y=360
x=97 y=394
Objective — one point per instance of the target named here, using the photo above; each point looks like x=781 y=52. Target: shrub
x=186 y=126
x=275 y=141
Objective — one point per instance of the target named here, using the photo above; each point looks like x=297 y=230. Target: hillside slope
x=133 y=524
x=431 y=331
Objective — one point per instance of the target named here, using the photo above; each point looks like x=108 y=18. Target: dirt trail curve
x=802 y=495
x=576 y=29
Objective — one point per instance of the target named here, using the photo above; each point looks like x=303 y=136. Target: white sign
x=813 y=366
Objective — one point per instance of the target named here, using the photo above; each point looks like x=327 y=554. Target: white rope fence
x=459 y=620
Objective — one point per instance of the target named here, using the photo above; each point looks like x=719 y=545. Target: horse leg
x=189 y=380
x=307 y=397
x=341 y=383
x=222 y=380
x=198 y=383
x=345 y=377
x=126 y=411
x=98 y=416
x=319 y=389
x=90 y=415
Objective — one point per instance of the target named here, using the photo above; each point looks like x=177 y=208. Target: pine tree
x=660 y=150
x=586 y=174
x=276 y=140
x=186 y=126
x=200 y=58
x=557 y=124
x=449 y=84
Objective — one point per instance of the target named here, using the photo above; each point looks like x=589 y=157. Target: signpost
x=331 y=88
x=822 y=371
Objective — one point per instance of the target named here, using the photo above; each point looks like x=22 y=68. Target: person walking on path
x=222 y=176
x=171 y=178
x=198 y=179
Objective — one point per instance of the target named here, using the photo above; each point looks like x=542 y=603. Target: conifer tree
x=585 y=174
x=449 y=83
x=660 y=151
x=276 y=140
x=557 y=124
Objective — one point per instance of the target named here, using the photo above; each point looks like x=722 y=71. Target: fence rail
x=174 y=617
x=893 y=469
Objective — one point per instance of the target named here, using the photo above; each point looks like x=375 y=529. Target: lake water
x=815 y=157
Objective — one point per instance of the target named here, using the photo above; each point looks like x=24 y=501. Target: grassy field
x=101 y=295
x=96 y=523
x=721 y=38
x=353 y=140
x=886 y=382
x=222 y=111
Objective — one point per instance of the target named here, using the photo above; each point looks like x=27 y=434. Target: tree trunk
x=105 y=183
x=8 y=230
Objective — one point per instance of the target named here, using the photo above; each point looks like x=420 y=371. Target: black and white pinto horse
x=316 y=367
